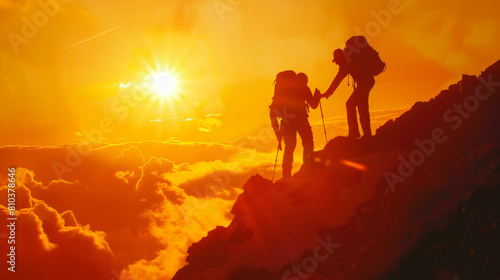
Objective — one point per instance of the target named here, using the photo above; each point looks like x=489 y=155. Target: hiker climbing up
x=291 y=102
x=362 y=62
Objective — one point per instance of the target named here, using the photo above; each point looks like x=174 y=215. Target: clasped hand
x=317 y=94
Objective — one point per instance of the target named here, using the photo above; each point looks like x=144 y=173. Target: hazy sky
x=70 y=72
x=62 y=65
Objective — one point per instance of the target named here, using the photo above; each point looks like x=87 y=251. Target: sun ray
x=164 y=85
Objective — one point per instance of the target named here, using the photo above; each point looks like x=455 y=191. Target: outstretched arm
x=336 y=82
x=275 y=124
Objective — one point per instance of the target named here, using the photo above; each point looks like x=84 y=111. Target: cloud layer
x=119 y=209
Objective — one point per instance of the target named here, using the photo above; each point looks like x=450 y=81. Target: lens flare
x=164 y=85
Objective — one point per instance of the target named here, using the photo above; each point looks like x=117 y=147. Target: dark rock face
x=419 y=200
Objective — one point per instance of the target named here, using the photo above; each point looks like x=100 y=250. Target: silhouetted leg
x=306 y=135
x=364 y=88
x=364 y=118
x=290 y=139
x=352 y=118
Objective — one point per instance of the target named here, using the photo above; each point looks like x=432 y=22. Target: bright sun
x=164 y=85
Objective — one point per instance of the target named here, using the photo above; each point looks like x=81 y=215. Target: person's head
x=302 y=79
x=338 y=56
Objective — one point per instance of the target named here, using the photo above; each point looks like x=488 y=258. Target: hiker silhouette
x=362 y=62
x=291 y=102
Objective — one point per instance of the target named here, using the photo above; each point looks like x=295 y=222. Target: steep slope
x=419 y=200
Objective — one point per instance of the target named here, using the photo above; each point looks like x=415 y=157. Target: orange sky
x=69 y=78
x=226 y=56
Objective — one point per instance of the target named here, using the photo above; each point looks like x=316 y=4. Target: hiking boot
x=353 y=136
x=366 y=137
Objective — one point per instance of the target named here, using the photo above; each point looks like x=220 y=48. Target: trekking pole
x=323 y=119
x=276 y=160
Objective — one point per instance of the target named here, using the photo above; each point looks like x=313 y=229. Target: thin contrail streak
x=95 y=36
x=428 y=12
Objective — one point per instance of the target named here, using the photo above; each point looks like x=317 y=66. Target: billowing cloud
x=52 y=245
x=134 y=212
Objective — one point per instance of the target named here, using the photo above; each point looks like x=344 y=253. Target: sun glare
x=165 y=85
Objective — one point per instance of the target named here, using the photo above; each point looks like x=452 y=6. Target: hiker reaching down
x=362 y=62
x=291 y=102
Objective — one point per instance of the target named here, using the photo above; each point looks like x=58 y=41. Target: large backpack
x=362 y=58
x=284 y=89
